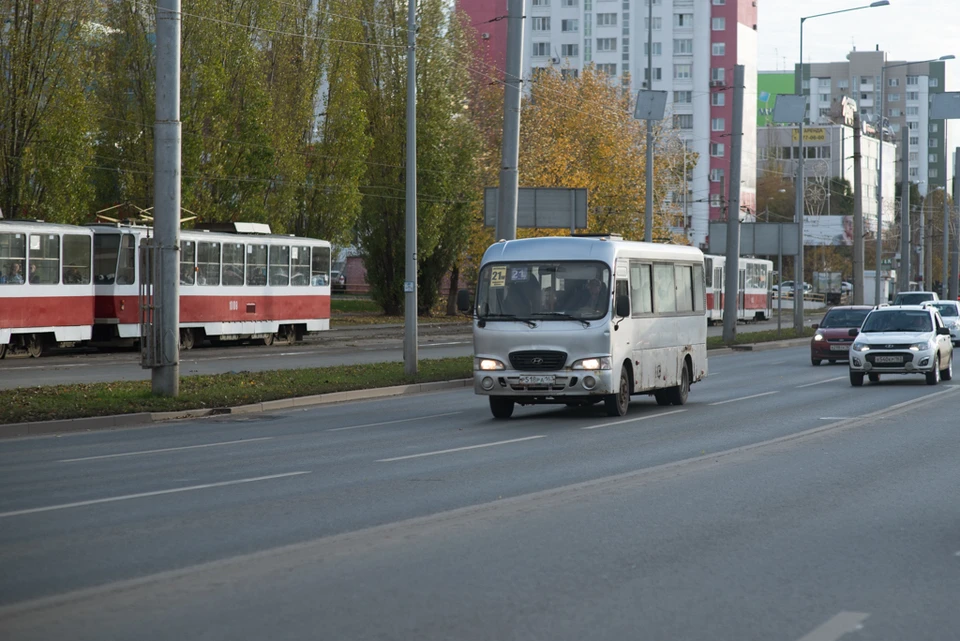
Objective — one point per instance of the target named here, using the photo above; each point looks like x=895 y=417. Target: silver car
x=950 y=313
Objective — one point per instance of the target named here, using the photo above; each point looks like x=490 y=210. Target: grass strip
x=765 y=336
x=211 y=391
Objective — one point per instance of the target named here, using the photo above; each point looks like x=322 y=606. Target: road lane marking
x=837 y=626
x=828 y=380
x=743 y=398
x=399 y=420
x=443 y=344
x=458 y=449
x=631 y=420
x=166 y=449
x=140 y=495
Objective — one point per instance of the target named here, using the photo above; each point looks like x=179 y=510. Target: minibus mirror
x=463 y=301
x=623 y=306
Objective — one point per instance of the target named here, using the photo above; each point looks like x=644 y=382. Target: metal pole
x=955 y=252
x=879 y=258
x=905 y=258
x=780 y=272
x=410 y=280
x=857 y=214
x=648 y=218
x=945 y=270
x=165 y=374
x=510 y=154
x=731 y=282
x=798 y=290
x=928 y=244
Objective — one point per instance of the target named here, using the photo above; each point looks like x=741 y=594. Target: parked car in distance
x=787 y=287
x=846 y=287
x=914 y=298
x=832 y=340
x=950 y=314
x=338 y=282
x=909 y=339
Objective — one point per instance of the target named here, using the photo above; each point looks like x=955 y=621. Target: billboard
x=769 y=84
x=828 y=230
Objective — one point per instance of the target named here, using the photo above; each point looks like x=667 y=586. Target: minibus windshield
x=557 y=290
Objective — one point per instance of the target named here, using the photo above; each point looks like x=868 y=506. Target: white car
x=950 y=313
x=907 y=339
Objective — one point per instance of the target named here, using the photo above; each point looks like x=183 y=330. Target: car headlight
x=602 y=362
x=487 y=364
x=925 y=345
x=818 y=337
x=861 y=347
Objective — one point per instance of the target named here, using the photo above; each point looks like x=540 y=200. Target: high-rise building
x=694 y=49
x=905 y=109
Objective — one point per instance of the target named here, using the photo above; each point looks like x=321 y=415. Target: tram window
x=320 y=273
x=76 y=259
x=641 y=293
x=106 y=249
x=44 y=260
x=709 y=271
x=684 y=278
x=279 y=265
x=256 y=265
x=13 y=257
x=126 y=274
x=233 y=264
x=188 y=256
x=762 y=276
x=208 y=264
x=299 y=266
x=699 y=301
x=665 y=289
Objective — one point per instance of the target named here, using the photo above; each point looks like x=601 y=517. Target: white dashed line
x=744 y=398
x=460 y=449
x=829 y=380
x=631 y=420
x=837 y=626
x=399 y=420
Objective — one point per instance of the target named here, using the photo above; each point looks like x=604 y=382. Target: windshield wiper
x=586 y=323
x=528 y=321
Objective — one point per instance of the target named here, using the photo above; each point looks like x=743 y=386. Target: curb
x=143 y=419
x=762 y=347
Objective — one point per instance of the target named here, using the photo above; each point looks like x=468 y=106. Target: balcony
x=866 y=87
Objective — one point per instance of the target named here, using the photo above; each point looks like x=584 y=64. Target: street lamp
x=798 y=268
x=883 y=82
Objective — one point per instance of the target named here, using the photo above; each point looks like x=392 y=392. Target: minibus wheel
x=618 y=403
x=501 y=407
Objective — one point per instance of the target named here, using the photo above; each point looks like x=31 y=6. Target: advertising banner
x=827 y=230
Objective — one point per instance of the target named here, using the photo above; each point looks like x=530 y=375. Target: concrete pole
x=955 y=252
x=905 y=258
x=928 y=246
x=798 y=214
x=918 y=250
x=510 y=154
x=648 y=218
x=879 y=258
x=410 y=276
x=945 y=268
x=857 y=214
x=732 y=274
x=165 y=376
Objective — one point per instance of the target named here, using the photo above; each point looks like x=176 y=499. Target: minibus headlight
x=601 y=362
x=487 y=364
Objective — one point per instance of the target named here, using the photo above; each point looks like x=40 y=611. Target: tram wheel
x=267 y=340
x=3 y=350
x=187 y=339
x=34 y=346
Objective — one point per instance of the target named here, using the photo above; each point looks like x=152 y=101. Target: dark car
x=832 y=340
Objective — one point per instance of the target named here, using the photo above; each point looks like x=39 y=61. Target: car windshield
x=945 y=309
x=844 y=318
x=914 y=298
x=898 y=321
x=568 y=290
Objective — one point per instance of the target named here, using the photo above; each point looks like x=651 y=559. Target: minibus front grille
x=538 y=360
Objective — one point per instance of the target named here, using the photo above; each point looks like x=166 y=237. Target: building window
x=606 y=44
x=606 y=20
x=569 y=51
x=913 y=80
x=682 y=97
x=609 y=68
x=541 y=3
x=541 y=49
x=716 y=149
x=843 y=83
x=913 y=95
x=913 y=111
x=824 y=97
x=931 y=158
x=657 y=24
x=683 y=46
x=716 y=175
x=683 y=121
x=719 y=48
x=718 y=99
x=569 y=73
x=893 y=82
x=657 y=74
x=719 y=24
x=657 y=48
x=914 y=156
x=682 y=72
x=569 y=25
x=541 y=24
x=912 y=125
x=914 y=141
x=893 y=113
x=914 y=172
x=568 y=3
x=719 y=3
x=655 y=3
x=934 y=127
x=683 y=20
x=934 y=82
x=715 y=200
x=893 y=97
x=717 y=124
x=718 y=74
x=933 y=172
x=933 y=143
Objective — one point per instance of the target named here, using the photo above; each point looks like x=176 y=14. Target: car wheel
x=947 y=374
x=874 y=378
x=856 y=379
x=500 y=407
x=933 y=377
x=618 y=403
x=815 y=361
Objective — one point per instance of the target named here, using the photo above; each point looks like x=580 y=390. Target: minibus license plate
x=537 y=380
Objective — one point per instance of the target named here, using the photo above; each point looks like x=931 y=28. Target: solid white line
x=829 y=380
x=141 y=495
x=742 y=398
x=443 y=344
x=631 y=420
x=837 y=626
x=460 y=449
x=166 y=449
x=399 y=420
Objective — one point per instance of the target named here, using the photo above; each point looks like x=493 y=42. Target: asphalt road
x=779 y=503
x=349 y=346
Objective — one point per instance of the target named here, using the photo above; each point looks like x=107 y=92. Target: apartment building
x=695 y=46
x=905 y=108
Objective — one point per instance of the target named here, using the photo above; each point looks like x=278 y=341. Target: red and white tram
x=237 y=281
x=755 y=300
x=46 y=289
